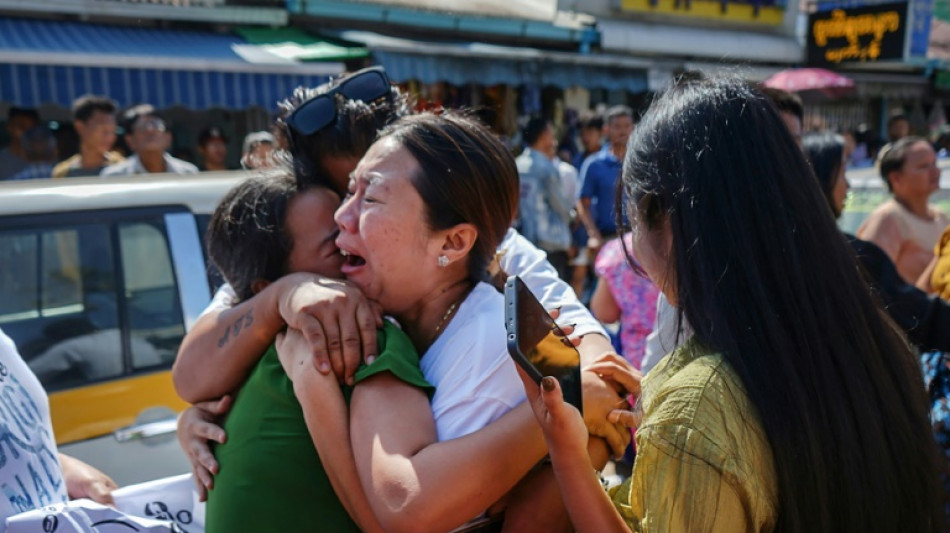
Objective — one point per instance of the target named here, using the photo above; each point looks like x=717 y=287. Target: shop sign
x=864 y=34
x=753 y=12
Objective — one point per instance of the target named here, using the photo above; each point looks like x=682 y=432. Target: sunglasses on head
x=367 y=85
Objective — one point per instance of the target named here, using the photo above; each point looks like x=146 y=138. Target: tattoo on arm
x=224 y=338
x=233 y=330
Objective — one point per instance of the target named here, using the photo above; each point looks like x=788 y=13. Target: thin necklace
x=445 y=317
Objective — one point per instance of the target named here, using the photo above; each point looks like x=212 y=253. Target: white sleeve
x=521 y=258
x=663 y=339
x=224 y=298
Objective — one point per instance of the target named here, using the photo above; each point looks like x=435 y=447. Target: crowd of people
x=33 y=153
x=353 y=374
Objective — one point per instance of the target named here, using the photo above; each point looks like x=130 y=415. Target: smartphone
x=534 y=341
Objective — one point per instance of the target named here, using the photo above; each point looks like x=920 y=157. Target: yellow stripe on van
x=96 y=410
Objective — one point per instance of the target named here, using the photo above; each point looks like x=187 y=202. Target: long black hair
x=246 y=236
x=767 y=280
x=825 y=153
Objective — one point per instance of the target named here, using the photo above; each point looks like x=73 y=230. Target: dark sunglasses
x=368 y=85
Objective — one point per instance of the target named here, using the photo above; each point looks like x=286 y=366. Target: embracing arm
x=327 y=418
x=415 y=482
x=220 y=350
x=223 y=346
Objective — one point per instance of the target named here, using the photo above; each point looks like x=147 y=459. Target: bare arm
x=415 y=482
x=85 y=481
x=587 y=503
x=885 y=232
x=223 y=346
x=583 y=213
x=221 y=349
x=535 y=504
x=198 y=426
x=602 y=303
x=599 y=394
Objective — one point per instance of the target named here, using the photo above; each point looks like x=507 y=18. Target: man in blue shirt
x=599 y=177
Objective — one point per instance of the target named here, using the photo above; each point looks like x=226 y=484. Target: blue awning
x=54 y=62
x=485 y=64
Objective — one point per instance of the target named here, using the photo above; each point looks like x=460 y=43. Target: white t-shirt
x=474 y=377
x=519 y=257
x=570 y=182
x=30 y=474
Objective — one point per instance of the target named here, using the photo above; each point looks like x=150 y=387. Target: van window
x=60 y=304
x=87 y=303
x=153 y=309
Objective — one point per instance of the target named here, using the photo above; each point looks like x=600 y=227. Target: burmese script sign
x=864 y=34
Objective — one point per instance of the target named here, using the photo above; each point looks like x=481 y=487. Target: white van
x=99 y=280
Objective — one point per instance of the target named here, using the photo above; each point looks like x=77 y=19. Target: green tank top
x=270 y=477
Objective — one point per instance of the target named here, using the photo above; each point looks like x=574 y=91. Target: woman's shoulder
x=687 y=377
x=700 y=410
x=397 y=356
x=697 y=389
x=483 y=305
x=884 y=220
x=890 y=208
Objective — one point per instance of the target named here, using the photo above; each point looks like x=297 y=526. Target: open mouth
x=352 y=260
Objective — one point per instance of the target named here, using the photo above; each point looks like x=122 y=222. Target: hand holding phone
x=534 y=342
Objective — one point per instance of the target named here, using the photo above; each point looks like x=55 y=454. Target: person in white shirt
x=33 y=473
x=335 y=317
x=148 y=136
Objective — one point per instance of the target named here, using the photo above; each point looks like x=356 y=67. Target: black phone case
x=571 y=380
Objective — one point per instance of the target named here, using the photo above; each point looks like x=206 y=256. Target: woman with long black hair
x=796 y=405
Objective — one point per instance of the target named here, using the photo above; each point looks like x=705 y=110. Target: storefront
x=505 y=84
x=883 y=48
x=196 y=78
